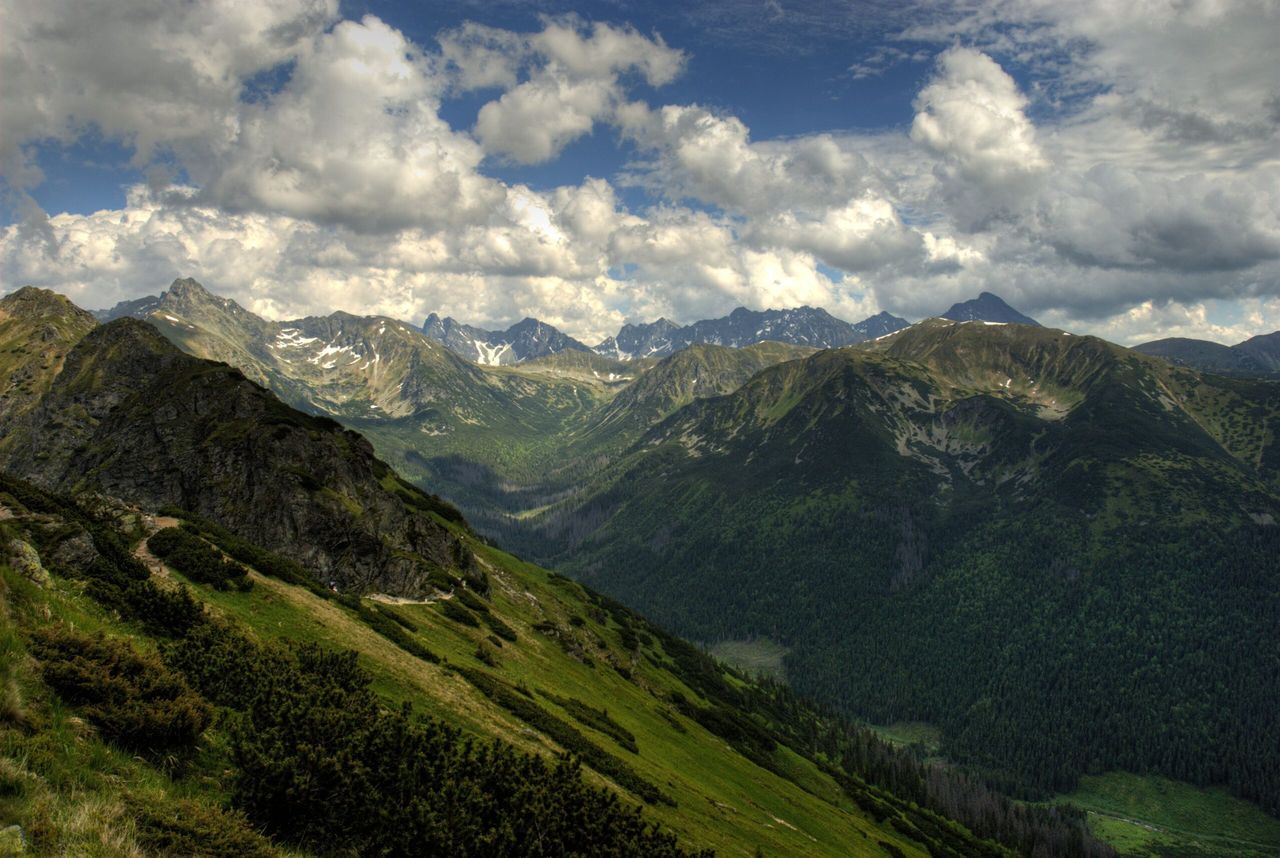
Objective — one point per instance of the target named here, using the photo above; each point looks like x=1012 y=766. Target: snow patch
x=488 y=355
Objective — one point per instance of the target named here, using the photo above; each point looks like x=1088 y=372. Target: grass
x=723 y=800
x=758 y=657
x=75 y=794
x=1153 y=816
x=70 y=792
x=908 y=733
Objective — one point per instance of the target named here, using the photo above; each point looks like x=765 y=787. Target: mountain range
x=531 y=339
x=179 y=542
x=1256 y=356
x=522 y=341
x=811 y=327
x=1051 y=548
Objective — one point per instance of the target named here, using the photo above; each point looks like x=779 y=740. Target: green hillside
x=37 y=329
x=175 y=678
x=529 y=658
x=1062 y=553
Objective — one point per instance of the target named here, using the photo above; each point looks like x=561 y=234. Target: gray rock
x=26 y=561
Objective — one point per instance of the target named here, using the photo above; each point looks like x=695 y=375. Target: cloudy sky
x=1106 y=167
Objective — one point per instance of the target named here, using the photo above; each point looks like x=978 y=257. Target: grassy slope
x=1154 y=816
x=73 y=794
x=724 y=801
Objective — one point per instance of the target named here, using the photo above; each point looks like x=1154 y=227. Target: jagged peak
x=988 y=306
x=189 y=288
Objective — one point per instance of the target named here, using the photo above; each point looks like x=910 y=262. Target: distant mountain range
x=1259 y=356
x=1052 y=548
x=525 y=340
x=813 y=327
x=530 y=339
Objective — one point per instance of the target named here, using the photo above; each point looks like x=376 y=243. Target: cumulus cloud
x=152 y=73
x=710 y=157
x=355 y=138
x=972 y=116
x=575 y=81
x=1119 y=189
x=865 y=234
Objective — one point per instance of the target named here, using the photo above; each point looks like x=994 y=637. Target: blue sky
x=1107 y=168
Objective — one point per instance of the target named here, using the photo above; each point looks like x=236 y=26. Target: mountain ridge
x=1052 y=486
x=135 y=427
x=1257 y=356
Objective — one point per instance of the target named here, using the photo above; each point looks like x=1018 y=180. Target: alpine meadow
x=580 y=428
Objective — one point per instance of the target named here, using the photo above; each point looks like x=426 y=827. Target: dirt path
x=143 y=551
x=401 y=600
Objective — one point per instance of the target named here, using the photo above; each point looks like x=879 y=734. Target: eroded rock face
x=132 y=417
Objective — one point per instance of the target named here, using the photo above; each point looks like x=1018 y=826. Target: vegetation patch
x=133 y=699
x=509 y=698
x=390 y=625
x=596 y=719
x=198 y=560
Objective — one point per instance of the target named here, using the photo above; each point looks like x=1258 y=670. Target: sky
x=1109 y=168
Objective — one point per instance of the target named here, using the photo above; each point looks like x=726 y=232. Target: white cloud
x=354 y=138
x=607 y=51
x=535 y=121
x=575 y=81
x=972 y=116
x=153 y=73
x=865 y=234
x=1145 y=192
x=709 y=157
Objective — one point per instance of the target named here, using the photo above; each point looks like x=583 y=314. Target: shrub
x=597 y=719
x=187 y=827
x=454 y=611
x=498 y=627
x=198 y=560
x=132 y=698
x=390 y=625
x=471 y=600
x=325 y=766
x=266 y=562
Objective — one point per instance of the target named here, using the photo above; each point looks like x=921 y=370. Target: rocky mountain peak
x=988 y=307
x=31 y=302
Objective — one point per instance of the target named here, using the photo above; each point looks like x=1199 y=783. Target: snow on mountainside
x=525 y=340
x=801 y=326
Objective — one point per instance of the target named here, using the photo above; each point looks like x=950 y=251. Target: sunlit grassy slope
x=587 y=662
x=1154 y=816
x=723 y=800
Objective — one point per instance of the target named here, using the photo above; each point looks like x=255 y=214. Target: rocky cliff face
x=528 y=339
x=132 y=417
x=812 y=327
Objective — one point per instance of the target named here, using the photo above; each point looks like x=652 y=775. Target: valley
x=932 y=527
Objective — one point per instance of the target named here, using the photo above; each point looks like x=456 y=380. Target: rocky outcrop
x=132 y=417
